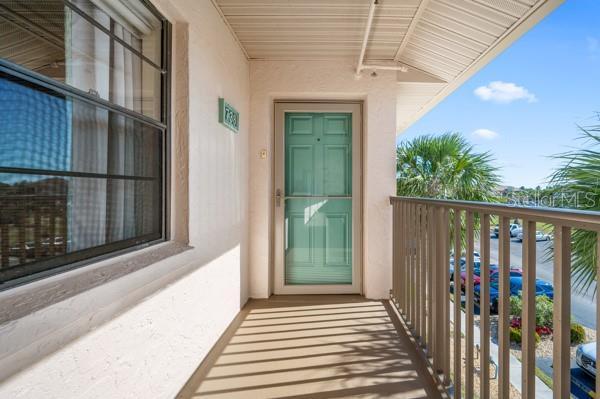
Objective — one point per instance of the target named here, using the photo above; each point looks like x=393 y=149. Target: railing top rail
x=585 y=220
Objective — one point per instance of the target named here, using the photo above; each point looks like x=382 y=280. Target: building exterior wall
x=324 y=80
x=142 y=335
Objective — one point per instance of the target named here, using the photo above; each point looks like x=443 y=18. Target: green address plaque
x=228 y=116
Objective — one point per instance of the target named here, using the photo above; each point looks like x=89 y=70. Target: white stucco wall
x=330 y=80
x=143 y=335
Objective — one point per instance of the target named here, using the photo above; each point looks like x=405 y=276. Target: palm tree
x=445 y=167
x=579 y=178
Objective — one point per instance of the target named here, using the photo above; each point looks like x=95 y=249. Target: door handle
x=278 y=198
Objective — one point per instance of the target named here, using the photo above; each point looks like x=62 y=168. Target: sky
x=527 y=103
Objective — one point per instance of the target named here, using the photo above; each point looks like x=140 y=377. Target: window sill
x=25 y=299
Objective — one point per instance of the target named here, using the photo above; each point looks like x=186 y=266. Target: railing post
x=457 y=306
x=430 y=260
x=413 y=263
x=409 y=261
x=469 y=304
x=418 y=265
x=405 y=255
x=441 y=286
x=528 y=316
x=562 y=309
x=423 y=275
x=484 y=306
x=435 y=321
x=503 y=310
x=445 y=228
x=395 y=251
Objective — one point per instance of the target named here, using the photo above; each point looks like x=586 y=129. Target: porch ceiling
x=440 y=42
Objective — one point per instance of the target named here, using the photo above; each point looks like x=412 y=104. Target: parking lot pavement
x=583 y=308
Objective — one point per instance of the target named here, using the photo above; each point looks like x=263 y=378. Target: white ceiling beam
x=363 y=48
x=413 y=24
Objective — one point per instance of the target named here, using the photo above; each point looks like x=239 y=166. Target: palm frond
x=578 y=178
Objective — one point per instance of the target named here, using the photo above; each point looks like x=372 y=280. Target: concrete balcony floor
x=317 y=346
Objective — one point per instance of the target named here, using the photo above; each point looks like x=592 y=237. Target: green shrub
x=544 y=311
x=515 y=335
x=577 y=334
x=516 y=305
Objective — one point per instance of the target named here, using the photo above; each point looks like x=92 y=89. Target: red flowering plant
x=543 y=330
x=515 y=322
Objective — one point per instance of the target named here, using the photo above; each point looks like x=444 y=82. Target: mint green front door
x=318 y=198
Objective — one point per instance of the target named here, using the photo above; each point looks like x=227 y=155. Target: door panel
x=317 y=228
x=318 y=246
x=337 y=172
x=300 y=176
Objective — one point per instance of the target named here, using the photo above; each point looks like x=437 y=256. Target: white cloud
x=485 y=134
x=504 y=92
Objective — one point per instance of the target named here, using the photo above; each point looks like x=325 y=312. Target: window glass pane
x=57 y=41
x=40 y=129
x=78 y=180
x=44 y=217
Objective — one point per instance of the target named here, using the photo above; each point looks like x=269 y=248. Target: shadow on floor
x=317 y=346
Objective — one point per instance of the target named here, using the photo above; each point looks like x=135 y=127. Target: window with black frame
x=83 y=132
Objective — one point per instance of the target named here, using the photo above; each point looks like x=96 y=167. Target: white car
x=514 y=230
x=586 y=358
x=539 y=236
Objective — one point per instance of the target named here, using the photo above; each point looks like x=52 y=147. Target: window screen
x=83 y=132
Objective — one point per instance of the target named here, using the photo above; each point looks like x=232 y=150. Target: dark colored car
x=516 y=285
x=494 y=273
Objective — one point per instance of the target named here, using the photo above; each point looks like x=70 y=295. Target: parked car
x=514 y=272
x=513 y=228
x=539 y=236
x=463 y=273
x=494 y=273
x=463 y=262
x=516 y=285
x=586 y=358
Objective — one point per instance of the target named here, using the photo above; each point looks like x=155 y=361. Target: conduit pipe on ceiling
x=363 y=48
x=401 y=68
x=361 y=66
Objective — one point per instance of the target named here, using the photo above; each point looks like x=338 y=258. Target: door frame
x=355 y=108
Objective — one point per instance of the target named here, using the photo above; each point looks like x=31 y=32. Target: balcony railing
x=424 y=232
